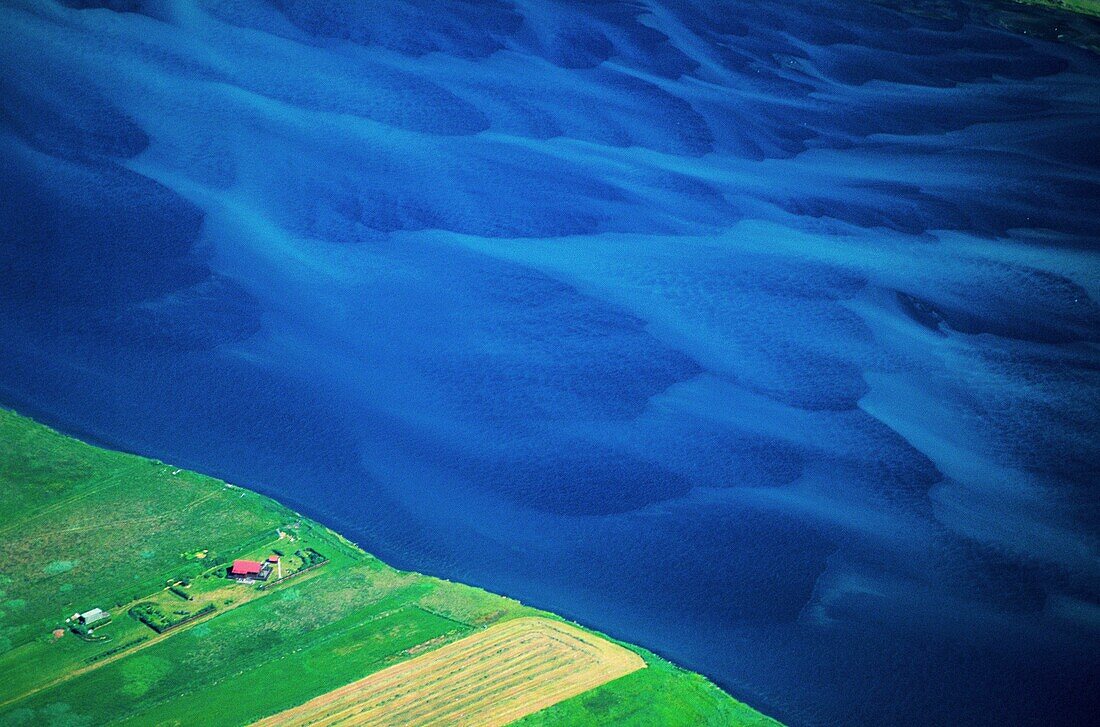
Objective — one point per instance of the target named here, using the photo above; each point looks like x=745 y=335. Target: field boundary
x=487 y=679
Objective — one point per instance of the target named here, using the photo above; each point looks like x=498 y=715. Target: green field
x=89 y=528
x=1086 y=7
x=490 y=678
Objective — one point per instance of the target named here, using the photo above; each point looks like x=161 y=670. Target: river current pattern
x=763 y=334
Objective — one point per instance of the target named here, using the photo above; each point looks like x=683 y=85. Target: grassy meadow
x=490 y=678
x=1086 y=7
x=84 y=527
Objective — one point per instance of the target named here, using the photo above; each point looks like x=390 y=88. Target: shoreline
x=1090 y=8
x=19 y=430
x=302 y=509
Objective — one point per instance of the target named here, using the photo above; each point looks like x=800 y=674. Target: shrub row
x=181 y=593
x=155 y=618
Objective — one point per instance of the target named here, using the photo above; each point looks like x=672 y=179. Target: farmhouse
x=250 y=569
x=92 y=617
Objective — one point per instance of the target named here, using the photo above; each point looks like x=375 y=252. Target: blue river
x=764 y=333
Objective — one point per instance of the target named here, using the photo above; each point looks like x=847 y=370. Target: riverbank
x=1085 y=7
x=1072 y=22
x=190 y=641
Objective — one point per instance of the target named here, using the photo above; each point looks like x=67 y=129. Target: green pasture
x=1087 y=7
x=84 y=527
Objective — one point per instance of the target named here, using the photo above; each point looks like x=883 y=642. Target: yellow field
x=490 y=678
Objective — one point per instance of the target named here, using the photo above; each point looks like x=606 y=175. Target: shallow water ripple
x=762 y=333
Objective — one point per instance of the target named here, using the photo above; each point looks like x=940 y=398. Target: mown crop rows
x=84 y=527
x=489 y=678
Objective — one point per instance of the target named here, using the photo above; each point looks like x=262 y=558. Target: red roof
x=272 y=558
x=245 y=568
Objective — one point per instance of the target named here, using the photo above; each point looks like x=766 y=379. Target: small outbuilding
x=92 y=617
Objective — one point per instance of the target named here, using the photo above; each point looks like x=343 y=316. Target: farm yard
x=186 y=644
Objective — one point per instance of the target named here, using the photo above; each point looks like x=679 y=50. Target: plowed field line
x=490 y=678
